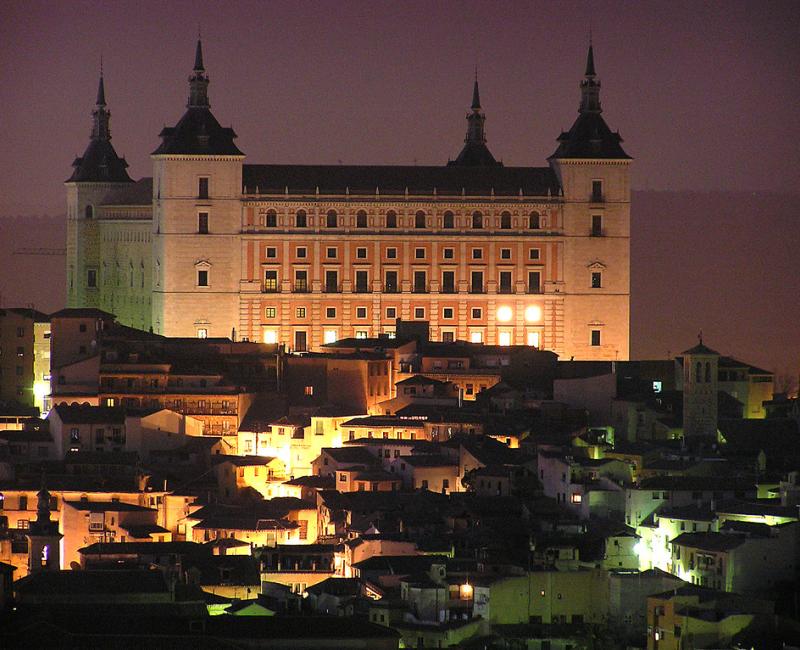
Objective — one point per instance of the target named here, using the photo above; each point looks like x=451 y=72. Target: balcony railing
x=503 y=289
x=270 y=287
x=534 y=288
x=477 y=289
x=448 y=288
x=597 y=232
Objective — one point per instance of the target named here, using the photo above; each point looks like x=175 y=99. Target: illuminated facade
x=305 y=255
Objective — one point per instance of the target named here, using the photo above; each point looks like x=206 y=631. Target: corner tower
x=594 y=172
x=197 y=190
x=99 y=170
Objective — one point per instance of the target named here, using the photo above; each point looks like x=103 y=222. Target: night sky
x=705 y=95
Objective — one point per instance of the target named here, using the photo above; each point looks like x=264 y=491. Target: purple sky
x=705 y=95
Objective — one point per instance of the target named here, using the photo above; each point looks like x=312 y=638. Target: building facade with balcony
x=304 y=255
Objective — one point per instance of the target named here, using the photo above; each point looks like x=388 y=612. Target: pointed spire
x=476 y=96
x=198 y=80
x=590 y=61
x=198 y=55
x=101 y=89
x=590 y=86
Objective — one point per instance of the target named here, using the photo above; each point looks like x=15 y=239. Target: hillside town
x=389 y=492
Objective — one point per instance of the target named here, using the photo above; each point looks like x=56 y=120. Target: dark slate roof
x=29 y=312
x=424 y=180
x=99 y=164
x=351 y=455
x=198 y=133
x=94 y=583
x=85 y=414
x=82 y=312
x=701 y=349
x=710 y=541
x=420 y=380
x=143 y=548
x=107 y=506
x=138 y=193
x=590 y=137
x=369 y=343
x=475 y=154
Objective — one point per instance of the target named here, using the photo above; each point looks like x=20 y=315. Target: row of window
x=361 y=253
x=391 y=282
x=532 y=313
x=477 y=221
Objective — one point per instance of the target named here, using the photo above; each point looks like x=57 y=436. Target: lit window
x=577 y=498
x=476 y=336
x=202 y=333
x=361 y=334
x=329 y=336
x=308 y=390
x=300 y=312
x=504 y=338
x=270 y=336
x=270 y=312
x=533 y=313
x=505 y=314
x=533 y=339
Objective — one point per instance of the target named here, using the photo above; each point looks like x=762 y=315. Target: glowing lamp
x=533 y=313
x=466 y=591
x=505 y=314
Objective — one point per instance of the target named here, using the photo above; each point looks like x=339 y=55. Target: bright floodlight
x=533 y=313
x=504 y=314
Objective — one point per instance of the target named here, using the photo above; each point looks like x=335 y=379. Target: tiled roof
x=385 y=179
x=198 y=133
x=137 y=193
x=590 y=137
x=710 y=541
x=85 y=414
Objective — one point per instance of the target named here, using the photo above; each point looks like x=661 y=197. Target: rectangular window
x=361 y=334
x=301 y=281
x=504 y=338
x=202 y=278
x=597 y=191
x=329 y=336
x=331 y=281
x=270 y=281
x=301 y=252
x=300 y=341
x=477 y=253
x=505 y=282
x=330 y=312
x=361 y=253
x=91 y=278
x=202 y=223
x=448 y=253
x=391 y=282
x=362 y=282
x=202 y=188
x=595 y=338
x=476 y=283
x=420 y=282
x=447 y=313
x=300 y=312
x=271 y=252
x=534 y=282
x=419 y=253
x=505 y=253
x=448 y=337
x=477 y=313
x=361 y=312
x=597 y=225
x=534 y=254
x=596 y=280
x=419 y=313
x=533 y=339
x=391 y=312
x=391 y=253
x=270 y=312
x=448 y=281
x=331 y=253
x=308 y=390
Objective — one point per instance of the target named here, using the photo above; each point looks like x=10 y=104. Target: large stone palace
x=308 y=254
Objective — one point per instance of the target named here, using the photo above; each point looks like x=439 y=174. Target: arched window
x=534 y=222
x=301 y=219
x=449 y=220
x=477 y=220
x=505 y=221
x=331 y=219
x=708 y=372
x=698 y=372
x=271 y=219
x=419 y=220
x=89 y=212
x=361 y=219
x=391 y=219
